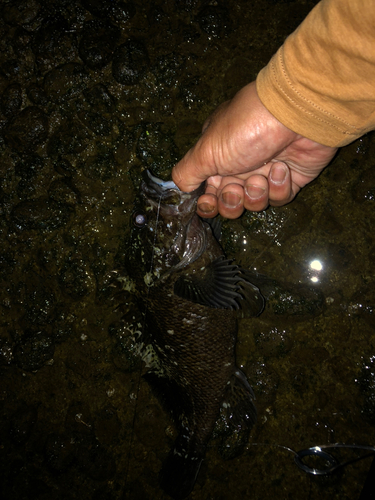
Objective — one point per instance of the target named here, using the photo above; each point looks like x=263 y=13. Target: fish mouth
x=167 y=192
x=173 y=204
x=158 y=184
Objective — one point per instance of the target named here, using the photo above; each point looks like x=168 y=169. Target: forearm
x=321 y=82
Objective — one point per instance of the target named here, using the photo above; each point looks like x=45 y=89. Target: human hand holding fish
x=249 y=159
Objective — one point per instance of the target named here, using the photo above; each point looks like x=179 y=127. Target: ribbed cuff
x=303 y=114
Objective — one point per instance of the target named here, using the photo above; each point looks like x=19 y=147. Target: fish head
x=167 y=233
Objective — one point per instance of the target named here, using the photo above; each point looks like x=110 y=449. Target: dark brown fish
x=189 y=294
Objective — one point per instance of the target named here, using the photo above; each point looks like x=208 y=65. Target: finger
x=187 y=174
x=256 y=193
x=207 y=206
x=230 y=201
x=279 y=185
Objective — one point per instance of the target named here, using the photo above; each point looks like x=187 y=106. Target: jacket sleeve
x=321 y=82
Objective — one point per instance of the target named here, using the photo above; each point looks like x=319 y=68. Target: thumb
x=189 y=172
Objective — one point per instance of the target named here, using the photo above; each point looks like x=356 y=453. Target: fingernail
x=231 y=200
x=254 y=192
x=206 y=208
x=278 y=174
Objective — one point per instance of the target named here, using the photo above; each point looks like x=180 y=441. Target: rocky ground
x=92 y=92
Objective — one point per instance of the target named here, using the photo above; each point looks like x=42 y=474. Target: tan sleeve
x=321 y=82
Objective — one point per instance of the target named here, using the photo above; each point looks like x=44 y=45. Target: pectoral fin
x=221 y=285
x=217 y=285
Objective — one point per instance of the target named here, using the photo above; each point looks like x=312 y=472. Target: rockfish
x=189 y=294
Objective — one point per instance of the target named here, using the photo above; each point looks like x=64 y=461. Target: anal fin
x=237 y=416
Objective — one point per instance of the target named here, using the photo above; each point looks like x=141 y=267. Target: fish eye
x=139 y=219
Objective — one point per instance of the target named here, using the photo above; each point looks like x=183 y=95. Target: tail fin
x=179 y=473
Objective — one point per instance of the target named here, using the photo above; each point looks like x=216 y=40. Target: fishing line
x=331 y=463
x=142 y=332
x=271 y=242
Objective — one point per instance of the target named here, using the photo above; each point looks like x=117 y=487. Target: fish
x=190 y=295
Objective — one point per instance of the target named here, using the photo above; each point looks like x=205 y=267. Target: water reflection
x=316 y=268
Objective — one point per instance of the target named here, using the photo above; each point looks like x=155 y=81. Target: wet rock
x=62 y=191
x=53 y=44
x=98 y=8
x=96 y=123
x=107 y=426
x=366 y=381
x=193 y=92
x=100 y=99
x=213 y=20
x=146 y=420
x=29 y=167
x=364 y=189
x=76 y=279
x=33 y=176
x=284 y=222
x=187 y=133
x=105 y=493
x=125 y=352
x=297 y=301
x=308 y=357
x=6 y=350
x=101 y=167
x=65 y=81
x=190 y=34
x=64 y=167
x=27 y=130
x=273 y=342
x=60 y=451
x=30 y=170
x=362 y=304
x=42 y=214
x=94 y=460
x=40 y=305
x=130 y=62
x=98 y=43
x=121 y=13
x=78 y=419
x=22 y=423
x=62 y=327
x=21 y=11
x=156 y=14
x=168 y=69
x=37 y=95
x=338 y=255
x=232 y=437
x=240 y=72
x=12 y=68
x=288 y=299
x=265 y=381
x=33 y=350
x=70 y=138
x=22 y=43
x=11 y=100
x=329 y=223
x=186 y=5
x=156 y=147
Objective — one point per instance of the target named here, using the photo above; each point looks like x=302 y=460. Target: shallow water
x=77 y=421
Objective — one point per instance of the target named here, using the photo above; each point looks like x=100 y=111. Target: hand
x=249 y=159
